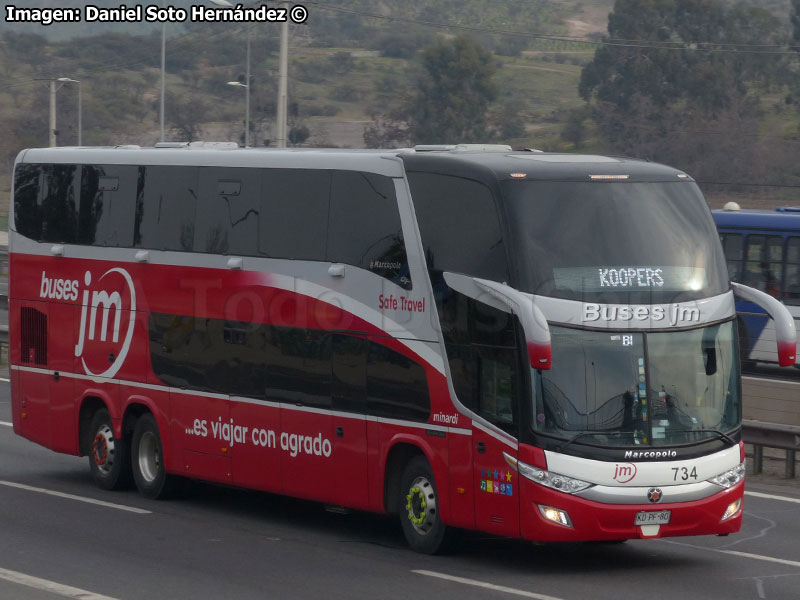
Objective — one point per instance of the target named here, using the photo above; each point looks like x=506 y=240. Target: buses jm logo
x=101 y=299
x=624 y=473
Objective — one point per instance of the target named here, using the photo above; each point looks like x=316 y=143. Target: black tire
x=109 y=456
x=419 y=514
x=147 y=460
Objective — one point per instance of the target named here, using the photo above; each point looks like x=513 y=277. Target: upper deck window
x=459 y=226
x=615 y=242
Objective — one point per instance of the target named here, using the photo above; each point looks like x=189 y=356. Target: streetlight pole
x=80 y=107
x=164 y=62
x=163 y=73
x=247 y=111
x=247 y=95
x=283 y=81
x=52 y=113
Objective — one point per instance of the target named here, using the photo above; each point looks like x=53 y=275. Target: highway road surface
x=60 y=537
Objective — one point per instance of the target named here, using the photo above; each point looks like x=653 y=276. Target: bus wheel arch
x=89 y=406
x=399 y=456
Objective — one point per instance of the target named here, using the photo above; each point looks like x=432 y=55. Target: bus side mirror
x=509 y=300
x=785 y=332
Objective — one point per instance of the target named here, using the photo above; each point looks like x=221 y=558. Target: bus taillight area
x=551 y=516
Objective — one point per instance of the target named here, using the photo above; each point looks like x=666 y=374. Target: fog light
x=732 y=510
x=555 y=515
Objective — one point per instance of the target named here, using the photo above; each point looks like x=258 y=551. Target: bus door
x=497 y=485
x=348 y=392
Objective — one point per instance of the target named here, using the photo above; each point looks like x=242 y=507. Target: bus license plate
x=652 y=518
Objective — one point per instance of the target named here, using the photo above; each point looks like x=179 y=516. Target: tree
x=453 y=94
x=186 y=115
x=671 y=80
x=671 y=50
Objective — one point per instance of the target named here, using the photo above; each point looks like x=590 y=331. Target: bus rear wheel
x=419 y=510
x=109 y=456
x=147 y=458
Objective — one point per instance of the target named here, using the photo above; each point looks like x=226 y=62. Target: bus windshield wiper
x=587 y=433
x=576 y=437
x=723 y=436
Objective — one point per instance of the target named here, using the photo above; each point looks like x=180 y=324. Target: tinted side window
x=27 y=210
x=733 y=245
x=397 y=387
x=165 y=208
x=108 y=205
x=763 y=263
x=497 y=390
x=243 y=359
x=182 y=351
x=244 y=349
x=349 y=363
x=300 y=371
x=792 y=290
x=59 y=203
x=459 y=226
x=365 y=226
x=293 y=217
x=228 y=211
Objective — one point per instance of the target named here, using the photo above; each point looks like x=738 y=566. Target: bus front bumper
x=548 y=515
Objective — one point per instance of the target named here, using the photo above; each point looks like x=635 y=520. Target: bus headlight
x=732 y=510
x=562 y=483
x=729 y=477
x=556 y=515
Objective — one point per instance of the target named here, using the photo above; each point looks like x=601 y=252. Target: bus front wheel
x=147 y=458
x=109 y=456
x=419 y=509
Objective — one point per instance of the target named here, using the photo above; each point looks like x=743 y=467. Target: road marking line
x=6 y=423
x=50 y=586
x=772 y=497
x=4 y=379
x=780 y=561
x=22 y=486
x=488 y=586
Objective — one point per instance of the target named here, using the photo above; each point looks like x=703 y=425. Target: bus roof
x=540 y=166
x=218 y=155
x=482 y=163
x=778 y=220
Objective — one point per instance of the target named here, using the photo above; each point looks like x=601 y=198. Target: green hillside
x=353 y=64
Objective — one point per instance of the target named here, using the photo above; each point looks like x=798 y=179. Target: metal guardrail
x=772 y=435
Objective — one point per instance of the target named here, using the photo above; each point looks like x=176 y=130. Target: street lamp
x=164 y=60
x=283 y=84
x=53 y=88
x=246 y=85
x=80 y=107
x=246 y=110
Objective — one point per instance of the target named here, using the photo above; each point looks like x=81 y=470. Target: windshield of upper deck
x=621 y=242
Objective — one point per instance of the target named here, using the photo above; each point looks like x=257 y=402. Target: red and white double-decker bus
x=533 y=345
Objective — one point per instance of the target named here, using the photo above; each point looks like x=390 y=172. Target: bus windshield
x=633 y=389
x=621 y=243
